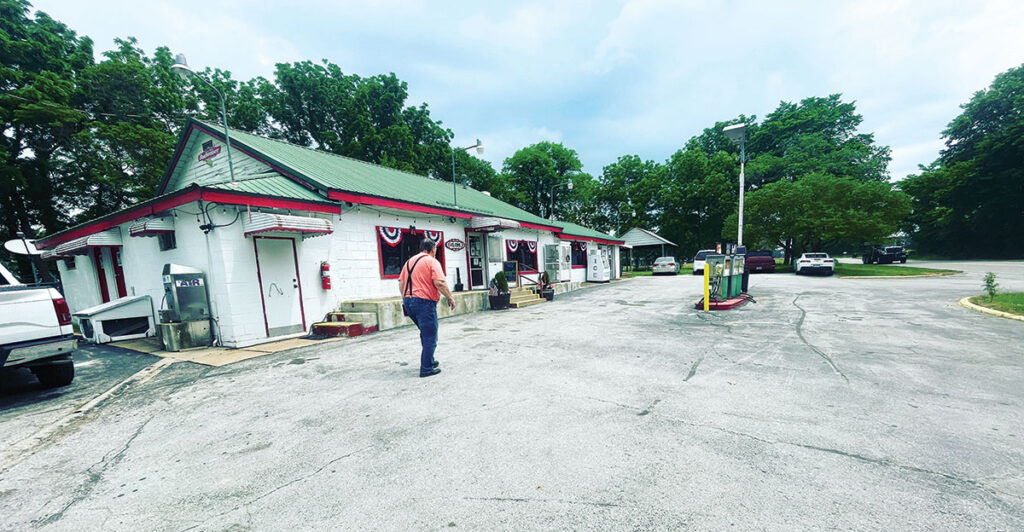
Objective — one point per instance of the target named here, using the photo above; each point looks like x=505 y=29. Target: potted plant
x=546 y=289
x=499 y=295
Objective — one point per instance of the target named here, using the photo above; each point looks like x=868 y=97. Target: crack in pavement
x=94 y=477
x=693 y=368
x=800 y=333
x=540 y=499
x=295 y=480
x=883 y=462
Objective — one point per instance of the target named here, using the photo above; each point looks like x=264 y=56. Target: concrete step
x=521 y=298
x=368 y=319
x=340 y=328
x=522 y=304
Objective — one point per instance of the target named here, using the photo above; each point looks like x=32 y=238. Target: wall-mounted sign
x=455 y=244
x=209 y=153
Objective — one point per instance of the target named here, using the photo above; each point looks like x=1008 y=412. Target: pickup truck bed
x=35 y=331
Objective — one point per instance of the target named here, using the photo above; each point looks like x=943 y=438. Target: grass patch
x=1012 y=302
x=880 y=270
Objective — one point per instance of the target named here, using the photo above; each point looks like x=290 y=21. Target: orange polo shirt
x=423 y=276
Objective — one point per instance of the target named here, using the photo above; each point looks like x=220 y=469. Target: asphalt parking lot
x=830 y=403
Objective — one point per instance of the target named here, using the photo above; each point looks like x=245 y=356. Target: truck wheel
x=55 y=375
x=903 y=261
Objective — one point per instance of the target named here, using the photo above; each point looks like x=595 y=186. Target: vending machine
x=599 y=268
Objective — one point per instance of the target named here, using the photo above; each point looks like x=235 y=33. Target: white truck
x=35 y=331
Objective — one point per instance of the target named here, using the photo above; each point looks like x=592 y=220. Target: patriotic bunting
x=532 y=246
x=435 y=236
x=513 y=245
x=391 y=235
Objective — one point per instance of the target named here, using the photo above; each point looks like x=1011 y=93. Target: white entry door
x=279 y=285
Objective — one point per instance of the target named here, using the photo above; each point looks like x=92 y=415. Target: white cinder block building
x=292 y=216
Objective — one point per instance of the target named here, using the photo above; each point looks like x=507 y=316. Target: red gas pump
x=325 y=275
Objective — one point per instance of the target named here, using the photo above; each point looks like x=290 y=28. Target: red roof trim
x=179 y=198
x=564 y=236
x=337 y=195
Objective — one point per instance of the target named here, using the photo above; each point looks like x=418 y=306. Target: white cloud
x=607 y=79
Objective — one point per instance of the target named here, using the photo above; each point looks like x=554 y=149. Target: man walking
x=422 y=282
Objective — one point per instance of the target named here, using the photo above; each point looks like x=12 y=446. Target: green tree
x=318 y=105
x=39 y=60
x=700 y=192
x=630 y=194
x=970 y=202
x=816 y=135
x=532 y=180
x=820 y=211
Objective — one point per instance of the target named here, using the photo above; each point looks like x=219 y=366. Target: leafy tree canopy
x=820 y=211
x=970 y=202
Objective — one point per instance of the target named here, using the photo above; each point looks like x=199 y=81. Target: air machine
x=186 y=320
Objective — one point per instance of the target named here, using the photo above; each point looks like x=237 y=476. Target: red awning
x=262 y=222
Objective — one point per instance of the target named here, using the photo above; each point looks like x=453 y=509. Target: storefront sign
x=209 y=153
x=455 y=244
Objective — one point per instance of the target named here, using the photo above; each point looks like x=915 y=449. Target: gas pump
x=724 y=281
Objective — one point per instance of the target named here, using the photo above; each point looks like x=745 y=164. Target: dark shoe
x=435 y=364
x=434 y=371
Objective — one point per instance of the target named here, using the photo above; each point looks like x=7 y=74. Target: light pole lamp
x=738 y=134
x=181 y=68
x=479 y=147
x=551 y=210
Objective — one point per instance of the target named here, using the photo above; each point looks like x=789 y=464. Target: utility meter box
x=185 y=291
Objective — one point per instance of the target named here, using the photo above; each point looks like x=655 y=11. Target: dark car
x=898 y=253
x=760 y=260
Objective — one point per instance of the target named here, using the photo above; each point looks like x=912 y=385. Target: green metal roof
x=579 y=230
x=277 y=186
x=335 y=172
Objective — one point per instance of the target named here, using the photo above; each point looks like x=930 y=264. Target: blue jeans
x=423 y=313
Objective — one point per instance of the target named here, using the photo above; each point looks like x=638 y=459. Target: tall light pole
x=181 y=68
x=479 y=147
x=551 y=211
x=738 y=134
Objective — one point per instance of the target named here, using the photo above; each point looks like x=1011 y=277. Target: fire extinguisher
x=325 y=275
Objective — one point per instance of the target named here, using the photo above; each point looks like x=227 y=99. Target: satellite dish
x=22 y=247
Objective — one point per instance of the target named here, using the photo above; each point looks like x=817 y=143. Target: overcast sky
x=606 y=79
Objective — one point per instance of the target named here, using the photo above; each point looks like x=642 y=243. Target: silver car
x=666 y=265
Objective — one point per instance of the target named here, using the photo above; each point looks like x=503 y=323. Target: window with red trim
x=579 y=254
x=397 y=244
x=523 y=251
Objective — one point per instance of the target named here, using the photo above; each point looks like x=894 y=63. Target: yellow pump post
x=707 y=288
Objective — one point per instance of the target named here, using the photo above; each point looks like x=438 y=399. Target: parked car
x=815 y=263
x=899 y=253
x=761 y=260
x=35 y=331
x=700 y=259
x=666 y=265
x=884 y=255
